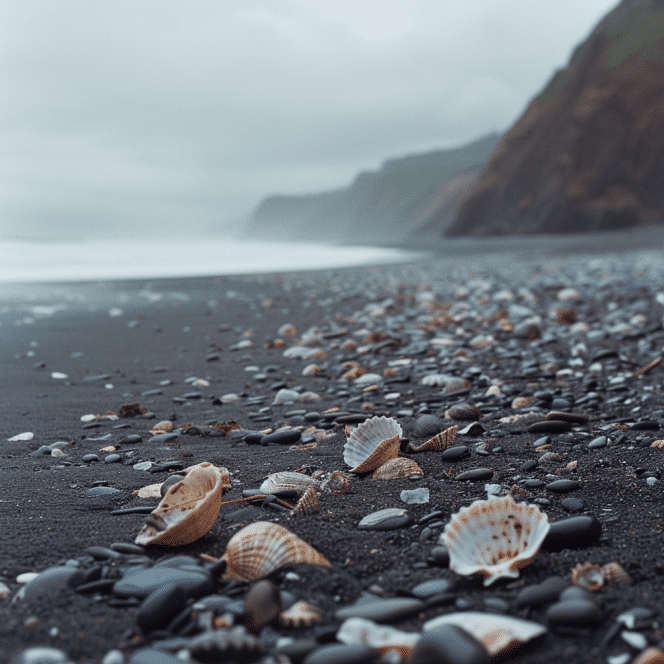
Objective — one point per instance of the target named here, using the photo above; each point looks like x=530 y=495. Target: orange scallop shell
x=439 y=442
x=398 y=468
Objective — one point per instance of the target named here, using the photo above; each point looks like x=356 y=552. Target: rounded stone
x=448 y=644
x=549 y=426
x=454 y=453
x=340 y=654
x=542 y=593
x=50 y=582
x=261 y=605
x=161 y=606
x=101 y=491
x=42 y=655
x=383 y=610
x=286 y=437
x=475 y=475
x=563 y=486
x=598 y=442
x=432 y=587
x=577 y=532
x=140 y=584
x=574 y=613
x=572 y=505
x=387 y=519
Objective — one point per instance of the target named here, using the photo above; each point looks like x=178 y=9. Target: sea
x=103 y=260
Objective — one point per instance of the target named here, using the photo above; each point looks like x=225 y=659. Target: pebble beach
x=537 y=361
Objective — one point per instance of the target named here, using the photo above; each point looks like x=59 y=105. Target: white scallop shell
x=189 y=508
x=494 y=538
x=262 y=547
x=498 y=633
x=372 y=443
x=288 y=481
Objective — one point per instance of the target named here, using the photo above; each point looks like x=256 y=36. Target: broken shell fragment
x=382 y=639
x=372 y=443
x=494 y=538
x=439 y=442
x=398 y=468
x=498 y=633
x=260 y=548
x=188 y=510
x=301 y=614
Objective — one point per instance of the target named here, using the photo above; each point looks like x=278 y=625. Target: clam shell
x=497 y=632
x=288 y=481
x=397 y=468
x=427 y=426
x=260 y=548
x=188 y=510
x=372 y=443
x=439 y=442
x=494 y=538
x=308 y=503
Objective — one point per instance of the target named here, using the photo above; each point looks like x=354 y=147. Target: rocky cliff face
x=588 y=153
x=383 y=207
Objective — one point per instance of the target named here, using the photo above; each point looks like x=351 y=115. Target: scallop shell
x=308 y=503
x=438 y=443
x=288 y=481
x=188 y=510
x=427 y=426
x=372 y=443
x=397 y=468
x=494 y=538
x=262 y=547
x=336 y=484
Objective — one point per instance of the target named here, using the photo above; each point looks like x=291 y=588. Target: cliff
x=588 y=152
x=382 y=207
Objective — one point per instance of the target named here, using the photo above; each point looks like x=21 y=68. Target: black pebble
x=475 y=475
x=574 y=613
x=563 y=486
x=448 y=644
x=572 y=505
x=577 y=532
x=160 y=607
x=286 y=437
x=454 y=453
x=549 y=426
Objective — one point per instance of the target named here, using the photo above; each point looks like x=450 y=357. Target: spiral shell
x=308 y=503
x=336 y=484
x=438 y=443
x=398 y=468
x=288 y=481
x=615 y=573
x=494 y=538
x=588 y=576
x=372 y=443
x=188 y=510
x=260 y=548
x=427 y=426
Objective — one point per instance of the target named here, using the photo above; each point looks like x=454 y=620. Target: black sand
x=46 y=519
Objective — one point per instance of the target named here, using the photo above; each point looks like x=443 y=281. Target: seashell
x=149 y=491
x=308 y=503
x=427 y=426
x=372 y=443
x=615 y=573
x=658 y=444
x=438 y=443
x=382 y=639
x=336 y=484
x=311 y=370
x=463 y=411
x=494 y=538
x=188 y=510
x=497 y=632
x=165 y=426
x=301 y=614
x=288 y=481
x=260 y=548
x=588 y=576
x=522 y=402
x=287 y=330
x=397 y=468
x=225 y=645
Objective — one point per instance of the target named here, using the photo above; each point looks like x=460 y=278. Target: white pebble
x=415 y=496
x=26 y=577
x=635 y=639
x=27 y=435
x=651 y=481
x=59 y=376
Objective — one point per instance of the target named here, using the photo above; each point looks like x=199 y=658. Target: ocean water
x=101 y=260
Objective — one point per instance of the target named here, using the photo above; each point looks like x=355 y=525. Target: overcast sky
x=135 y=116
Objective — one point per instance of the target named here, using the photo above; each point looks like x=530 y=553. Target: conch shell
x=189 y=509
x=372 y=443
x=260 y=548
x=494 y=538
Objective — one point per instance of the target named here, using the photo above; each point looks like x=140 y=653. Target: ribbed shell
x=439 y=442
x=427 y=426
x=260 y=548
x=301 y=614
x=188 y=510
x=288 y=481
x=372 y=443
x=398 y=468
x=308 y=503
x=494 y=538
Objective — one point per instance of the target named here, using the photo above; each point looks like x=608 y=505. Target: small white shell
x=498 y=633
x=301 y=614
x=288 y=481
x=372 y=443
x=262 y=547
x=494 y=538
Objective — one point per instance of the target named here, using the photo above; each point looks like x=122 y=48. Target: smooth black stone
x=150 y=656
x=131 y=439
x=448 y=644
x=645 y=425
x=598 y=442
x=169 y=482
x=164 y=437
x=382 y=610
x=563 y=486
x=101 y=553
x=286 y=437
x=152 y=393
x=101 y=491
x=92 y=425
x=142 y=509
x=254 y=439
x=428 y=589
x=340 y=654
x=141 y=583
x=572 y=505
x=476 y=475
x=439 y=556
x=534 y=484
x=549 y=426
x=353 y=418
x=297 y=650
x=387 y=519
x=128 y=548
x=436 y=514
x=542 y=593
x=103 y=586
x=454 y=453
x=87 y=458
x=574 y=613
x=577 y=532
x=161 y=606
